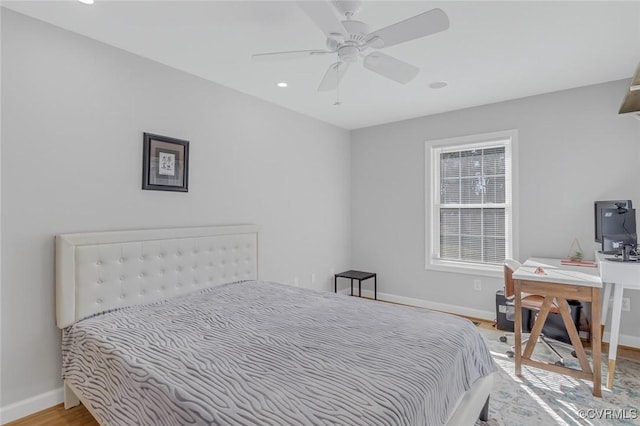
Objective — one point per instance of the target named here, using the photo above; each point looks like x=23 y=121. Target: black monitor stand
x=626 y=250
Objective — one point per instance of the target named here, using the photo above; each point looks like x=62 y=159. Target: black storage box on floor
x=554 y=327
x=504 y=324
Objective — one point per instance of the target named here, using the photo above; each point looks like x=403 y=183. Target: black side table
x=360 y=276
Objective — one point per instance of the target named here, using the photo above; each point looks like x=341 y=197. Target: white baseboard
x=31 y=405
x=624 y=340
x=435 y=306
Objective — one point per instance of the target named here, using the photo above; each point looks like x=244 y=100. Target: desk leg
x=335 y=284
x=541 y=318
x=616 y=310
x=563 y=305
x=352 y=286
x=518 y=327
x=596 y=342
x=605 y=307
x=359 y=288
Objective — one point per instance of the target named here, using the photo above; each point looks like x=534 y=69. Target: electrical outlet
x=313 y=278
x=296 y=281
x=477 y=285
x=626 y=304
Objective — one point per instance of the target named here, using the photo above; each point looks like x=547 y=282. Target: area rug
x=543 y=398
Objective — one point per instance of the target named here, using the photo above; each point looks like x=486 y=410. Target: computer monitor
x=618 y=229
x=598 y=206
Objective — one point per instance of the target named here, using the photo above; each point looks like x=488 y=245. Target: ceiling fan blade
x=333 y=76
x=293 y=54
x=390 y=67
x=321 y=13
x=422 y=25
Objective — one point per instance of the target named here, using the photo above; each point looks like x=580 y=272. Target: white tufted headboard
x=106 y=270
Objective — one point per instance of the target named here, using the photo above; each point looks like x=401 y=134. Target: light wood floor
x=58 y=416
x=79 y=416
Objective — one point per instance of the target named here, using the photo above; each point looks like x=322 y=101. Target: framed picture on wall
x=165 y=163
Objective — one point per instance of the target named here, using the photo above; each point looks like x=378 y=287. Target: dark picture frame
x=165 y=163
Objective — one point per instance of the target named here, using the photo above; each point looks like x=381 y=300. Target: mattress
x=262 y=353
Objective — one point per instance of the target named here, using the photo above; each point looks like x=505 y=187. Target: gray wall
x=573 y=149
x=73 y=114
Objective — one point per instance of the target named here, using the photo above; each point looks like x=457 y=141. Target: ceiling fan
x=351 y=39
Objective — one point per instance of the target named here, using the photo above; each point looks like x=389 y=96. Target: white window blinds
x=471 y=202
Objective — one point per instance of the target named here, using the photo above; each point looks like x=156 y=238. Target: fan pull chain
x=337 y=102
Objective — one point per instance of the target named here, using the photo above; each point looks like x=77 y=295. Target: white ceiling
x=493 y=51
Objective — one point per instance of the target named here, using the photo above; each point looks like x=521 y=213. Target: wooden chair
x=532 y=302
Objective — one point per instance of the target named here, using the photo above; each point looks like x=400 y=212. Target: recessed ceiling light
x=282 y=84
x=438 y=84
x=86 y=1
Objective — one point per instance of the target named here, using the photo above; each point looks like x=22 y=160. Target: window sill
x=462 y=268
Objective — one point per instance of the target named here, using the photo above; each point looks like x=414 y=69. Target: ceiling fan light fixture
x=282 y=84
x=348 y=53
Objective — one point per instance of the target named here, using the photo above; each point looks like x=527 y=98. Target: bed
x=173 y=327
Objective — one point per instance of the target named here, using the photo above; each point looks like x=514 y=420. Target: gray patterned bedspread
x=260 y=353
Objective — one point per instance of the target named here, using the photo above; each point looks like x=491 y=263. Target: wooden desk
x=559 y=282
x=620 y=276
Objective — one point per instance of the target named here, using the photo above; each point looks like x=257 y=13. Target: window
x=470 y=228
